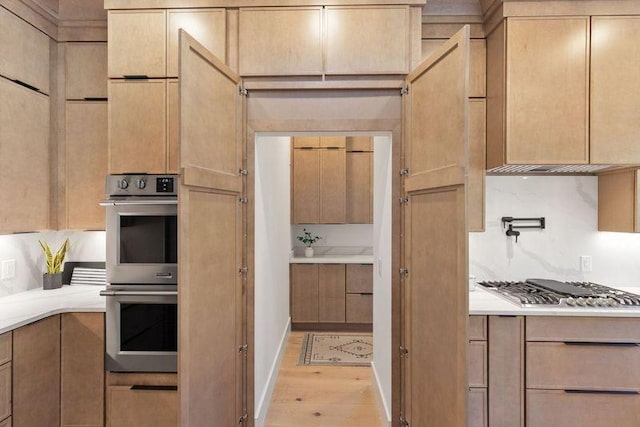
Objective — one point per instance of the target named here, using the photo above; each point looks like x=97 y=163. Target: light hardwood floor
x=322 y=396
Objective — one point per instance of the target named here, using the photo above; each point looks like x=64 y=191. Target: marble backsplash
x=569 y=204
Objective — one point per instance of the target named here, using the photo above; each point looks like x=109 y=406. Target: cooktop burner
x=543 y=292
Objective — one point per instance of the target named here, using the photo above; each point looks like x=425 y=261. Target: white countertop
x=27 y=307
x=483 y=302
x=333 y=255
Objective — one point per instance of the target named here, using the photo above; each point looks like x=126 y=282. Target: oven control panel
x=141 y=185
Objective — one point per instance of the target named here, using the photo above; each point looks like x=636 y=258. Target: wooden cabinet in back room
x=359 y=175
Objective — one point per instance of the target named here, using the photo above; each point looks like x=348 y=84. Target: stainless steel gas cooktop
x=543 y=292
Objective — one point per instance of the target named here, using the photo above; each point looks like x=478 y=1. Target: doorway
x=275 y=241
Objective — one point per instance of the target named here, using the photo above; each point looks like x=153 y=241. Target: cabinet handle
x=305 y=148
x=602 y=344
x=624 y=392
x=142 y=387
x=366 y=293
x=95 y=98
x=27 y=85
x=136 y=77
x=333 y=148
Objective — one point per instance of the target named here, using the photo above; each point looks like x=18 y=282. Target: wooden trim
x=330 y=327
x=188 y=42
x=174 y=4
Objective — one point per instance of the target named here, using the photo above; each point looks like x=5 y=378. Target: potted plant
x=307 y=239
x=52 y=278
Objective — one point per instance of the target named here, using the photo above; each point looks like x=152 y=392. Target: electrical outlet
x=8 y=269
x=586 y=263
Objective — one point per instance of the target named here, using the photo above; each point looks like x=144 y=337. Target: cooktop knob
x=581 y=302
x=591 y=301
x=141 y=184
x=123 y=184
x=571 y=301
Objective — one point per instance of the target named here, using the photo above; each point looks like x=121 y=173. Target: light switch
x=8 y=269
x=586 y=263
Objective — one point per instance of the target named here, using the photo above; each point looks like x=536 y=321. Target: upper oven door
x=142 y=241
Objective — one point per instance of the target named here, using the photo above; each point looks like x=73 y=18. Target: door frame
x=392 y=126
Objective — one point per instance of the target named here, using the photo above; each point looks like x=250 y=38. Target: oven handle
x=139 y=202
x=138 y=293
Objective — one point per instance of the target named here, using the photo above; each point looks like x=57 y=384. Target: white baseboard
x=265 y=400
x=385 y=414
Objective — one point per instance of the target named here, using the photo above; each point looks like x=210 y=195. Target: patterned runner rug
x=336 y=349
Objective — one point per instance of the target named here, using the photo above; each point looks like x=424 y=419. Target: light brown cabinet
x=137 y=126
x=24 y=158
x=172 y=126
x=86 y=163
x=319 y=181
x=145 y=400
x=6 y=348
x=331 y=293
x=6 y=423
x=85 y=70
x=24 y=52
x=477 y=367
x=477 y=164
x=5 y=391
x=36 y=374
x=619 y=201
x=359 y=177
x=538 y=93
x=82 y=369
x=615 y=89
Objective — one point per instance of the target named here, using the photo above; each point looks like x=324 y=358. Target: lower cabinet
x=477 y=403
x=36 y=374
x=5 y=391
x=6 y=423
x=142 y=400
x=331 y=293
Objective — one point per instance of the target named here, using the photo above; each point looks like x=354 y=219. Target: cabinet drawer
x=6 y=423
x=5 y=348
x=143 y=406
x=583 y=329
x=5 y=391
x=477 y=365
x=359 y=308
x=582 y=366
x=477 y=407
x=560 y=409
x=478 y=328
x=359 y=278
x=359 y=143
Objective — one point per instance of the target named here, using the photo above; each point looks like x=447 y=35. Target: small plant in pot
x=52 y=278
x=307 y=239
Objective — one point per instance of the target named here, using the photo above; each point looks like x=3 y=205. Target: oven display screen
x=148 y=327
x=164 y=185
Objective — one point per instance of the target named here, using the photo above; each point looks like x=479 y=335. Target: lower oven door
x=141 y=330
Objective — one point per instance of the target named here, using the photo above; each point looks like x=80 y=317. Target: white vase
x=308 y=252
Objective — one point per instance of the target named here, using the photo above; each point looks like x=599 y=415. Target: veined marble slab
x=333 y=255
x=483 y=302
x=26 y=307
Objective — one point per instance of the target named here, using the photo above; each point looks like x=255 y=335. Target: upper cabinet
x=145 y=42
x=367 y=40
x=359 y=172
x=312 y=41
x=619 y=201
x=615 y=89
x=24 y=52
x=280 y=41
x=538 y=91
x=86 y=70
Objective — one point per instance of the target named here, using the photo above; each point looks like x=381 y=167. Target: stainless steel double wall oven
x=142 y=269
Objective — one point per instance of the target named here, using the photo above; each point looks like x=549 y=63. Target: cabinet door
x=618 y=201
x=6 y=423
x=359 y=181
x=359 y=143
x=6 y=348
x=306 y=186
x=331 y=293
x=304 y=293
x=86 y=164
x=280 y=41
x=359 y=308
x=333 y=186
x=615 y=89
x=137 y=43
x=137 y=127
x=82 y=369
x=208 y=26
x=5 y=390
x=24 y=158
x=333 y=141
x=143 y=406
x=359 y=278
x=86 y=70
x=477 y=400
x=36 y=374
x=547 y=94
x=477 y=164
x=306 y=141
x=24 y=52
x=367 y=40
x=173 y=126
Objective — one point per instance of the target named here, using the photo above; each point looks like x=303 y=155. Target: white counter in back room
x=569 y=204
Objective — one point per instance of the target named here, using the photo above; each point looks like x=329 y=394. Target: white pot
x=308 y=252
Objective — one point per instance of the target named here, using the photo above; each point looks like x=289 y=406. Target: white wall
x=382 y=173
x=354 y=235
x=30 y=262
x=272 y=246
x=569 y=204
